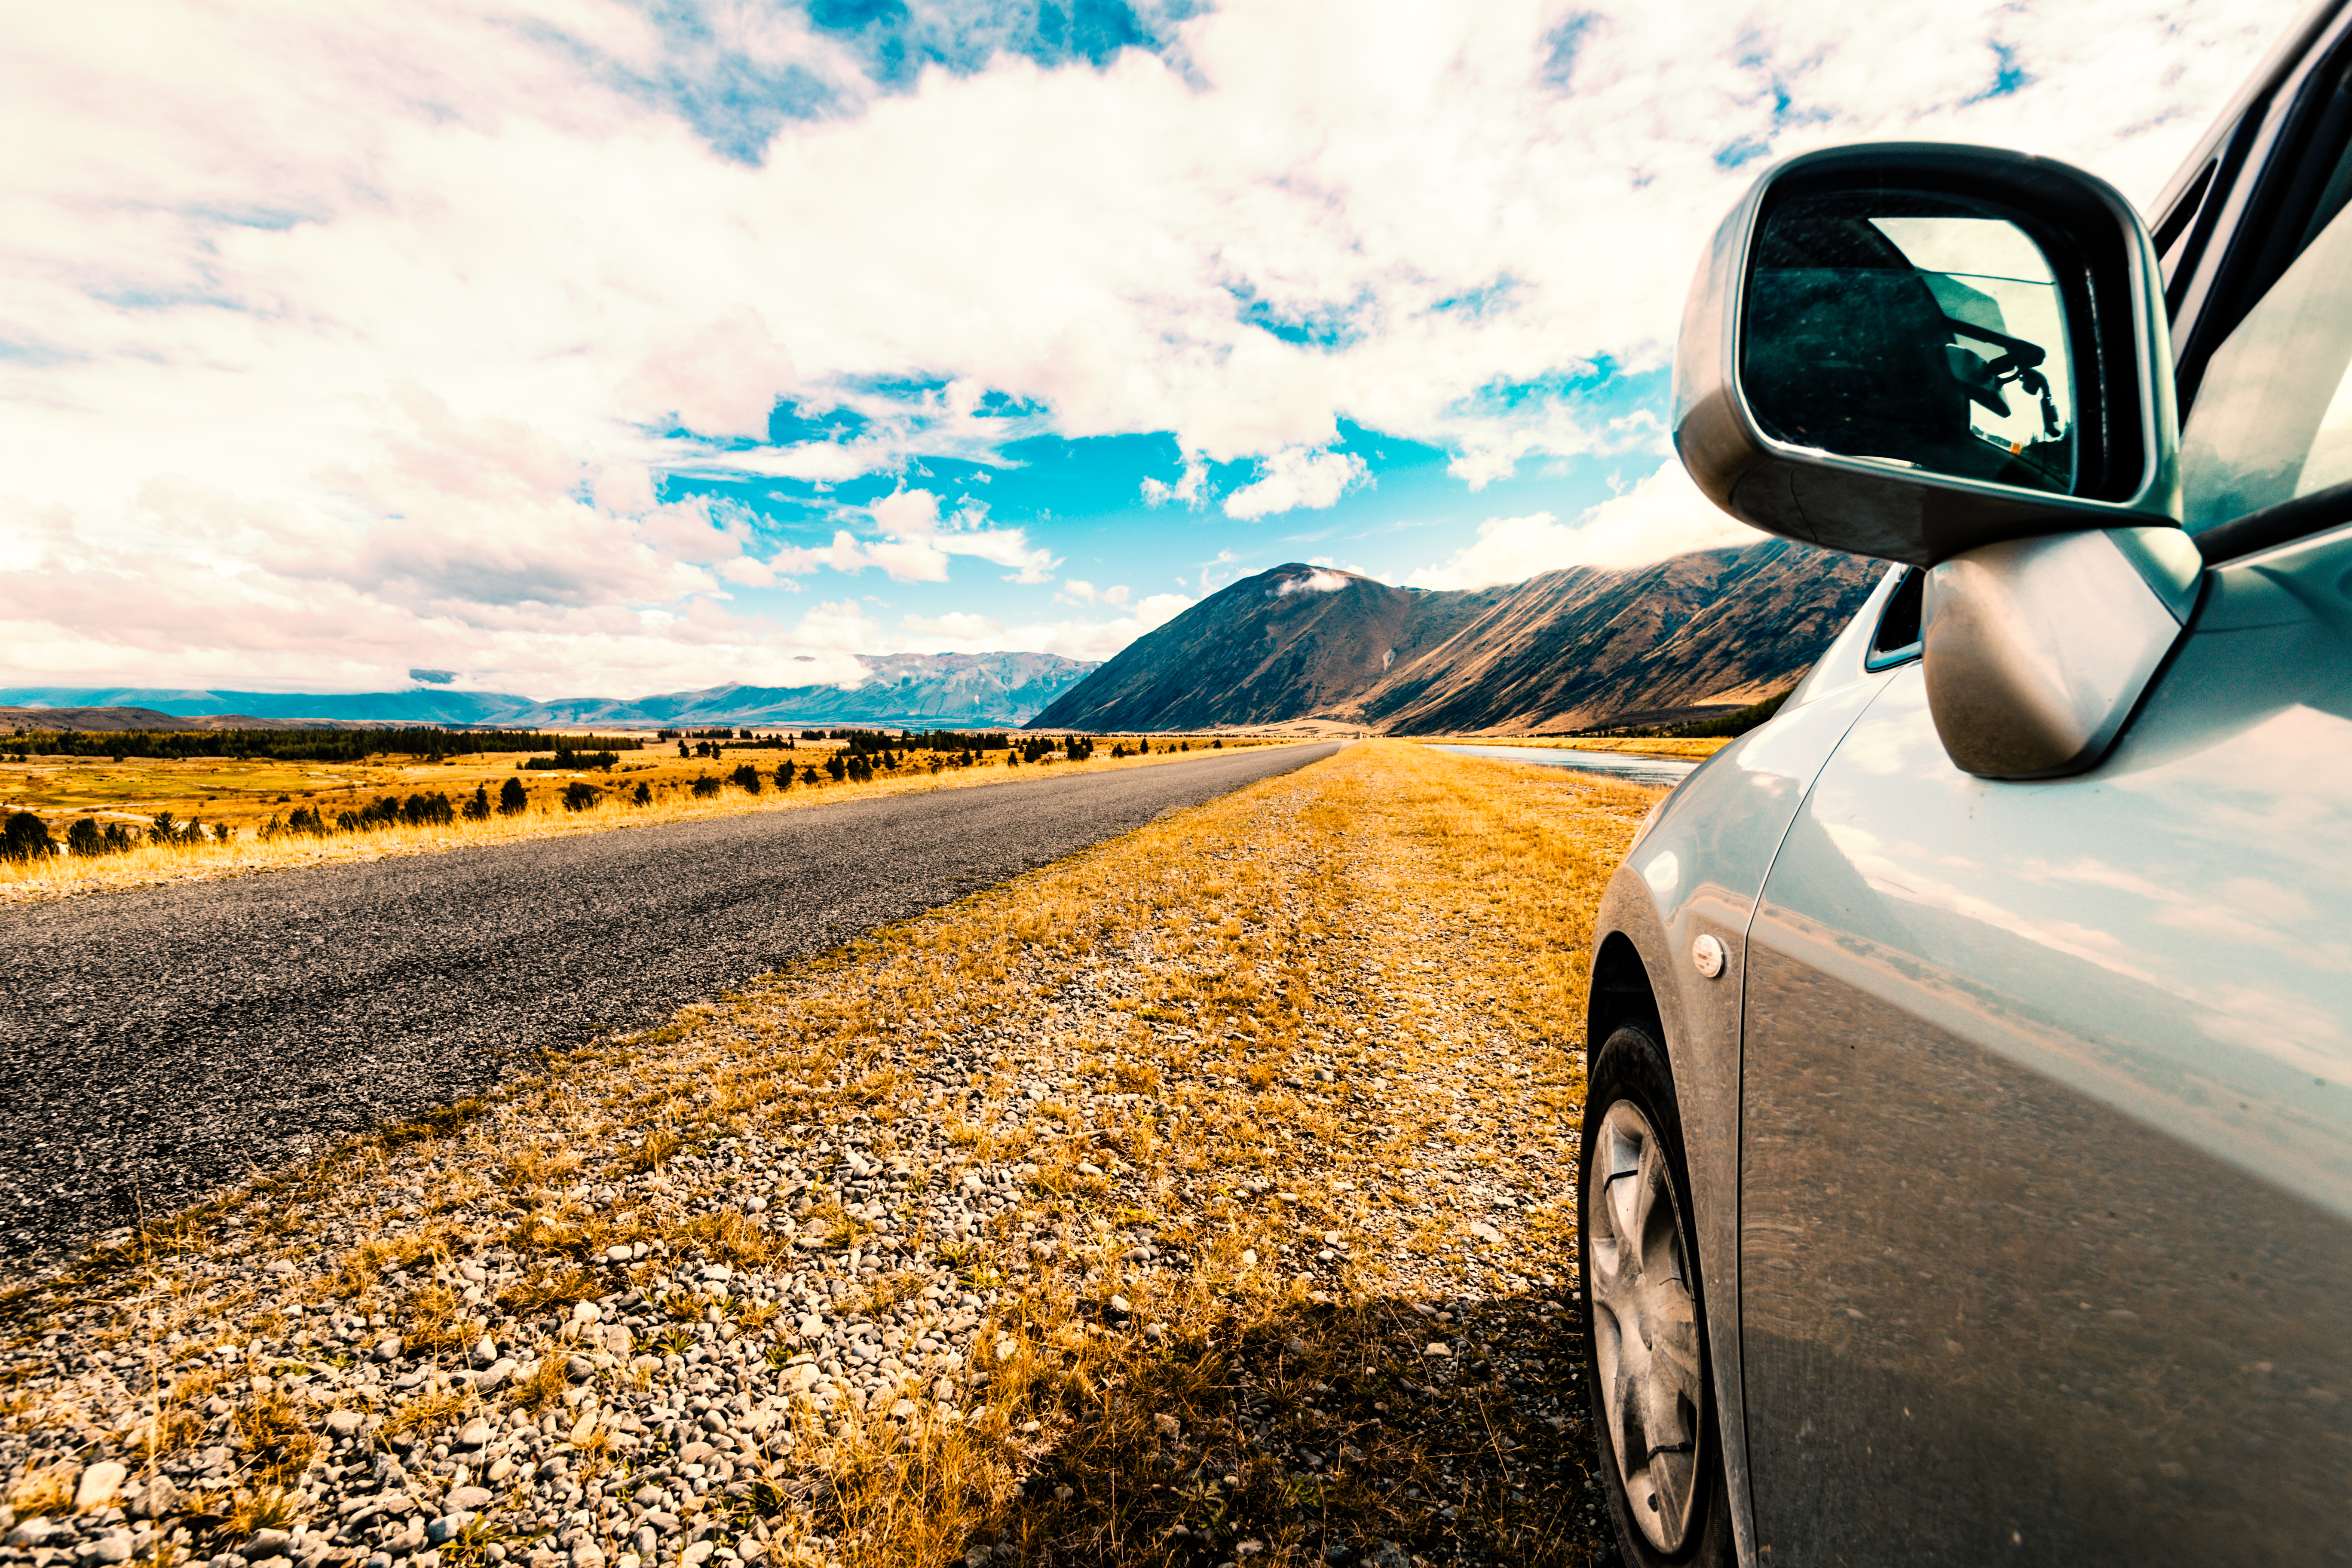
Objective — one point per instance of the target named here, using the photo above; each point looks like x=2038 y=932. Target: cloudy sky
x=604 y=347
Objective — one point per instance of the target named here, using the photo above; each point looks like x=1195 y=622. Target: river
x=1631 y=766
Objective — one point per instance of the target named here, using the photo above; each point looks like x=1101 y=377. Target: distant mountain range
x=1697 y=634
x=1694 y=634
x=908 y=690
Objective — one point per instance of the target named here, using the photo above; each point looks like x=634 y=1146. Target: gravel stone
x=98 y=1485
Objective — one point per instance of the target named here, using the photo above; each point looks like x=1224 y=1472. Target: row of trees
x=1737 y=722
x=24 y=837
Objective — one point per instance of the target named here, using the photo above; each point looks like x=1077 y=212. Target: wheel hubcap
x=1644 y=1326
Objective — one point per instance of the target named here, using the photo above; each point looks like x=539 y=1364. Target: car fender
x=1696 y=870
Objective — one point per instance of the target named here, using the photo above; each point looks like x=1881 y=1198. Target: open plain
x=1203 y=1197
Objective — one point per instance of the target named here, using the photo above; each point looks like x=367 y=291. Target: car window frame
x=2260 y=158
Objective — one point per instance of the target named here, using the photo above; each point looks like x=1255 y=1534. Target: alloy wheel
x=1645 y=1327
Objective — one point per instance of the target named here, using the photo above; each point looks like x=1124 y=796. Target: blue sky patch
x=1329 y=327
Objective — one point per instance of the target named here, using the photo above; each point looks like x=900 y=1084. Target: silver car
x=1966 y=1170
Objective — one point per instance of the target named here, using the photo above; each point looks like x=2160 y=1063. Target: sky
x=585 y=347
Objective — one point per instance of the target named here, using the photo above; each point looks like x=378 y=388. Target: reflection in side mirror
x=1909 y=351
x=1913 y=329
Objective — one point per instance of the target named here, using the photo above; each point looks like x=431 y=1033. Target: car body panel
x=2046 y=1169
x=1727 y=818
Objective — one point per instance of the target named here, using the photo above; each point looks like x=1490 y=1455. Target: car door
x=2046 y=1088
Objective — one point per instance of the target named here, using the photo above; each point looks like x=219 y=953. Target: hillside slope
x=1571 y=649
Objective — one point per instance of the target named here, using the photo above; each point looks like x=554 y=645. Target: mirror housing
x=2038 y=649
x=2127 y=472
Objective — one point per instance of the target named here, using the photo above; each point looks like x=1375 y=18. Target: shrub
x=25 y=837
x=808 y=776
x=165 y=829
x=745 y=778
x=704 y=785
x=421 y=810
x=478 y=808
x=838 y=766
x=84 y=839
x=579 y=795
x=513 y=797
x=642 y=795
x=784 y=776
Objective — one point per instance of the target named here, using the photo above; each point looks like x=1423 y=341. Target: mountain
x=18 y=721
x=908 y=690
x=1585 y=646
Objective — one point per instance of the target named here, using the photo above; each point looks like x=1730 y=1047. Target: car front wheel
x=1646 y=1334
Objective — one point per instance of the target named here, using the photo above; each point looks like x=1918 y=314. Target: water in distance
x=1628 y=765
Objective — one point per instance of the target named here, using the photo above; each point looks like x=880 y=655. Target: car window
x=2273 y=418
x=1897 y=638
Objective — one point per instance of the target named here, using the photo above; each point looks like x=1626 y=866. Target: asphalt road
x=160 y=1043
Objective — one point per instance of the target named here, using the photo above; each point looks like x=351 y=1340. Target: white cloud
x=1220 y=567
x=918 y=542
x=1099 y=639
x=1322 y=580
x=957 y=633
x=723 y=378
x=1297 y=477
x=339 y=340
x=956 y=625
x=1187 y=488
x=1077 y=591
x=1664 y=515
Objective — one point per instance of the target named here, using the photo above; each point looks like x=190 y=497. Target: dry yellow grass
x=1320 y=1041
x=150 y=865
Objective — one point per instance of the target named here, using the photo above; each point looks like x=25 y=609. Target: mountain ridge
x=1576 y=648
x=901 y=691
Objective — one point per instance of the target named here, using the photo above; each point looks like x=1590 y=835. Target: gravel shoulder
x=1201 y=1198
x=161 y=1042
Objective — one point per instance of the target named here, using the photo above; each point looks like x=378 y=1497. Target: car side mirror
x=1927 y=353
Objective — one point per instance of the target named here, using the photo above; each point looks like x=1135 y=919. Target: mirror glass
x=1913 y=329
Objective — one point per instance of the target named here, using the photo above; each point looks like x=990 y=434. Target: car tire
x=1649 y=1379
